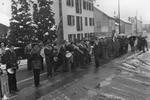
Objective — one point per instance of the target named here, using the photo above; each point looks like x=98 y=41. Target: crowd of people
x=67 y=57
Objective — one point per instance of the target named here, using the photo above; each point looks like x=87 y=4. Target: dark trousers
x=36 y=77
x=29 y=64
x=49 y=68
x=12 y=82
x=96 y=60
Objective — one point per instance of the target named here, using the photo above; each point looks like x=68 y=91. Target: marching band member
x=11 y=61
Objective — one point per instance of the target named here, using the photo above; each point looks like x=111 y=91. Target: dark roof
x=3 y=29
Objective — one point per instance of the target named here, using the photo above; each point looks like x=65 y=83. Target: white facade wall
x=68 y=10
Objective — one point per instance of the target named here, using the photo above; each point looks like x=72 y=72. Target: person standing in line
x=36 y=63
x=11 y=61
x=48 y=59
x=2 y=50
x=28 y=55
x=96 y=52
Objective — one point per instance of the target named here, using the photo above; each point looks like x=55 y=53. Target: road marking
x=27 y=79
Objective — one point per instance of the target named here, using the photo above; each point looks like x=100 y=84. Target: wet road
x=117 y=79
x=121 y=79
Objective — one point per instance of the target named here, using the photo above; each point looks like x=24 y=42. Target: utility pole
x=119 y=15
x=136 y=23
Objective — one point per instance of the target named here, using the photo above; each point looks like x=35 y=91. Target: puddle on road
x=107 y=81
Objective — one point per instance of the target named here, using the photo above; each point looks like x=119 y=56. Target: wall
x=67 y=10
x=104 y=24
x=128 y=28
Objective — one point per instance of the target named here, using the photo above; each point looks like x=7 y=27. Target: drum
x=68 y=54
x=3 y=66
x=55 y=59
x=10 y=71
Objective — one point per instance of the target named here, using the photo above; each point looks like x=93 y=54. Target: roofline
x=104 y=13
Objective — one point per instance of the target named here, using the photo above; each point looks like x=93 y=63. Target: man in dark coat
x=10 y=59
x=96 y=54
x=48 y=58
x=61 y=56
x=144 y=44
x=131 y=40
x=36 y=63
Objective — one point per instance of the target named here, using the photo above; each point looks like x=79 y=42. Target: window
x=70 y=37
x=86 y=21
x=87 y=6
x=86 y=35
x=90 y=6
x=82 y=36
x=70 y=20
x=70 y=3
x=91 y=20
x=78 y=36
x=79 y=23
x=78 y=6
x=84 y=4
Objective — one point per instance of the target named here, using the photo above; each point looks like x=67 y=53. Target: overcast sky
x=128 y=8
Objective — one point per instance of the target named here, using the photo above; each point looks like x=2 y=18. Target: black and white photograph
x=74 y=50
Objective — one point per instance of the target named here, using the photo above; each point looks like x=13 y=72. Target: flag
x=59 y=32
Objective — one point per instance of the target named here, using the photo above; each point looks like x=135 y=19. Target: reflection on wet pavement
x=123 y=79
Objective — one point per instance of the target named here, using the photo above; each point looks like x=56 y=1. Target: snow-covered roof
x=99 y=10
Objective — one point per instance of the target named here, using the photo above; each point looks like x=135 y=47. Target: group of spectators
x=138 y=43
x=108 y=48
x=112 y=47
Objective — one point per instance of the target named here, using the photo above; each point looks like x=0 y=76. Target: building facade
x=137 y=26
x=76 y=18
x=128 y=28
x=125 y=27
x=146 y=28
x=104 y=24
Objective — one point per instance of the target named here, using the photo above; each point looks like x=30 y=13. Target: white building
x=76 y=17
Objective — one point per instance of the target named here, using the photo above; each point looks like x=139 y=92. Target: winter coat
x=36 y=58
x=36 y=61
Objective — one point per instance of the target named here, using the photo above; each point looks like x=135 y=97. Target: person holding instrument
x=11 y=61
